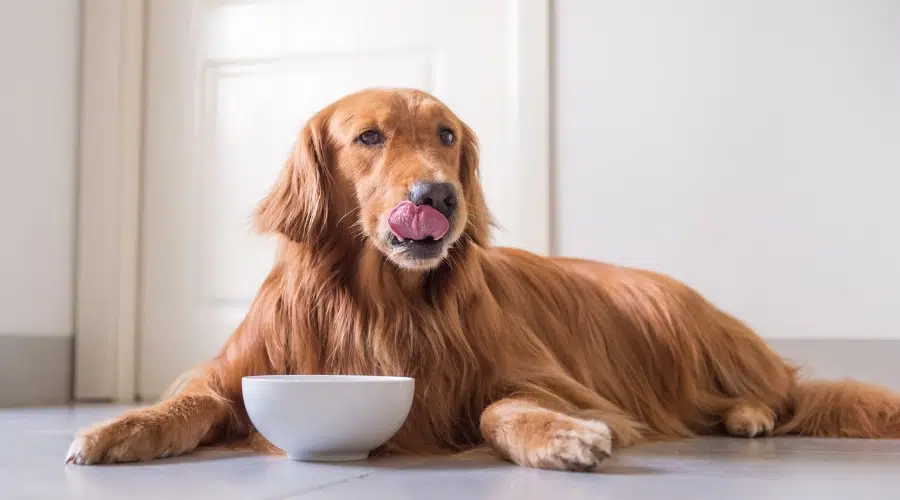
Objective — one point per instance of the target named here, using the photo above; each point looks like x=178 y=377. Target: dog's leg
x=172 y=427
x=207 y=404
x=533 y=436
x=545 y=432
x=748 y=419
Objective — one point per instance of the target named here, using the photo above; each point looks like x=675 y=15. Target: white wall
x=38 y=106
x=748 y=147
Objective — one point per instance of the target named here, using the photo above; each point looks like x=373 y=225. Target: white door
x=228 y=86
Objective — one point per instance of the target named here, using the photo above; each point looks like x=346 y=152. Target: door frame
x=108 y=221
x=109 y=188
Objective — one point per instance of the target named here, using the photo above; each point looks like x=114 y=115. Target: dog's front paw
x=87 y=449
x=571 y=444
x=128 y=439
x=545 y=439
x=749 y=420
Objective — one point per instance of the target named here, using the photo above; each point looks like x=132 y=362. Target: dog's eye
x=446 y=136
x=371 y=138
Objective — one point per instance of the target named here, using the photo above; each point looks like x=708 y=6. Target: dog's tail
x=845 y=408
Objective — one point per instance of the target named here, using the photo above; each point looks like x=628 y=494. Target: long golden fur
x=550 y=362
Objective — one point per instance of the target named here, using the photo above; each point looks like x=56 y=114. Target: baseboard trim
x=35 y=370
x=870 y=360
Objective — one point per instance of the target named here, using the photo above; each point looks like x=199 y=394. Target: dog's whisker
x=345 y=216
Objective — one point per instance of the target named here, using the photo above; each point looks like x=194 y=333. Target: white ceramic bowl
x=327 y=418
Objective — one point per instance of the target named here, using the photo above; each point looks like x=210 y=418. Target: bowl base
x=329 y=457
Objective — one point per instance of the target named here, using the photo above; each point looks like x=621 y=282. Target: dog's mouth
x=424 y=245
x=417 y=231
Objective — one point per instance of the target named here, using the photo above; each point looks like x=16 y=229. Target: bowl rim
x=327 y=379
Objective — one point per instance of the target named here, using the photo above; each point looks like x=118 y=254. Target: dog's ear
x=297 y=206
x=478 y=226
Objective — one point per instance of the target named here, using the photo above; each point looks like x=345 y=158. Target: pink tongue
x=417 y=222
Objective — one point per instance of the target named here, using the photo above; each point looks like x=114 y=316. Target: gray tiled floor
x=33 y=444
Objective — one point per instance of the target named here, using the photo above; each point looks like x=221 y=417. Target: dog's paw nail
x=75 y=455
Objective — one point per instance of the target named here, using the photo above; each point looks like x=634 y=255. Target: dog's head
x=394 y=169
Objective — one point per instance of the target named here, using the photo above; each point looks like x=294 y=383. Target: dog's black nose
x=439 y=195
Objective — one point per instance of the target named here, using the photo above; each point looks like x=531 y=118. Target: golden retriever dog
x=385 y=267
